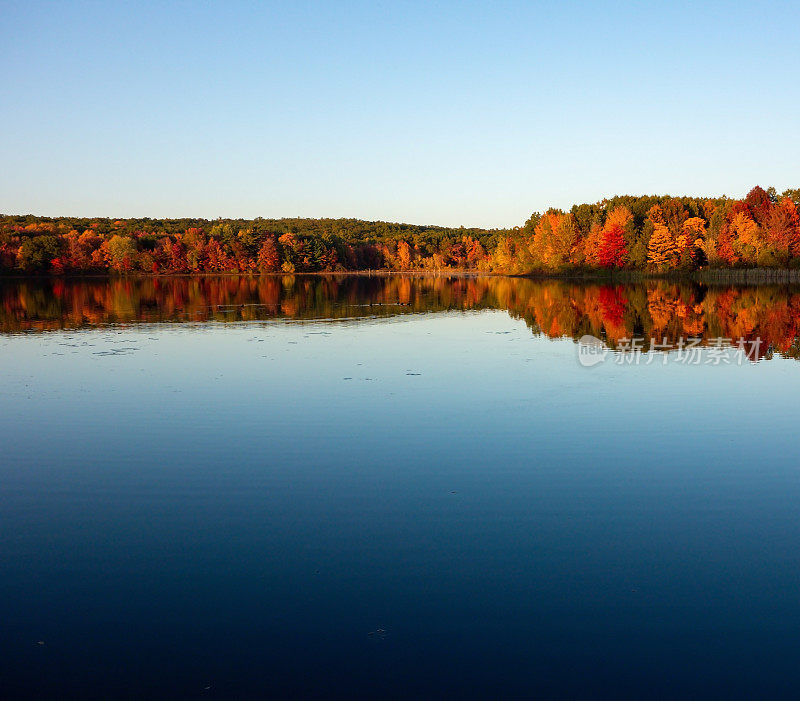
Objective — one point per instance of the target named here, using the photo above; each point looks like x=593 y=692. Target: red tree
x=612 y=252
x=268 y=257
x=759 y=204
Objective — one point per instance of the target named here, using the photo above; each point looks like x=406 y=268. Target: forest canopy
x=656 y=234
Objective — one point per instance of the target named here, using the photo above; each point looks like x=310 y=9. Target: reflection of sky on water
x=248 y=502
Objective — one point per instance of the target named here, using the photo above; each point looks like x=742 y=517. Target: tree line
x=656 y=234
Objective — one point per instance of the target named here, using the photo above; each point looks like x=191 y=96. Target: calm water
x=396 y=487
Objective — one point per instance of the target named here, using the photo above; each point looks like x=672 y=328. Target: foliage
x=613 y=250
x=650 y=232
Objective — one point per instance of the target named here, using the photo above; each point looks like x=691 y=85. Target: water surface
x=405 y=487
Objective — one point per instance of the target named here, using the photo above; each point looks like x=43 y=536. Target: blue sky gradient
x=432 y=113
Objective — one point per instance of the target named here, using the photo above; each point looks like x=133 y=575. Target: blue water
x=426 y=505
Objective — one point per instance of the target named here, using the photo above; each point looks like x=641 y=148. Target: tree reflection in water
x=654 y=309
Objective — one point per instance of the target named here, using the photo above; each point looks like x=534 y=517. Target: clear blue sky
x=432 y=112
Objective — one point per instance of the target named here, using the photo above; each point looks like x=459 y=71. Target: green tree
x=37 y=252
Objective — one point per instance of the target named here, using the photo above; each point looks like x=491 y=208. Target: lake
x=405 y=487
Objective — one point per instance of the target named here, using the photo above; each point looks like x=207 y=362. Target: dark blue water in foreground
x=420 y=505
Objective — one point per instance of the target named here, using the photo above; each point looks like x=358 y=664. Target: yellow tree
x=591 y=245
x=663 y=252
x=692 y=240
x=503 y=256
x=554 y=240
x=663 y=249
x=748 y=240
x=403 y=255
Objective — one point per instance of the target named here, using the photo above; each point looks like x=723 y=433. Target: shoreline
x=707 y=276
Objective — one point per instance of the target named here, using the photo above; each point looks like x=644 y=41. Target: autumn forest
x=652 y=234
